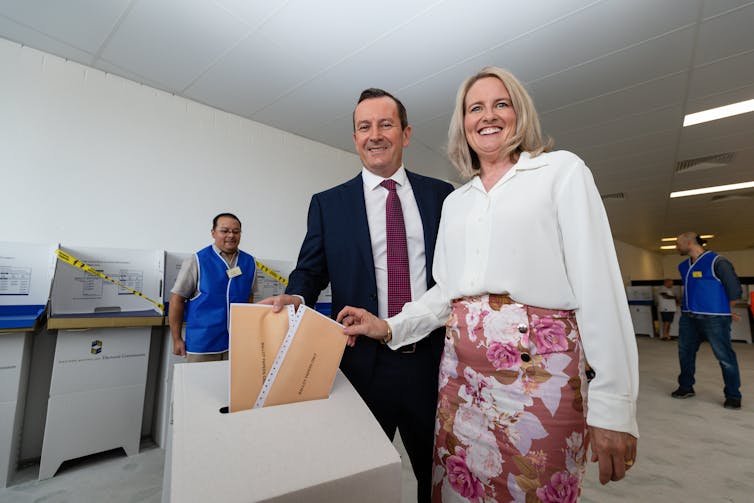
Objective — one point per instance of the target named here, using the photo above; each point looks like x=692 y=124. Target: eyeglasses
x=228 y=231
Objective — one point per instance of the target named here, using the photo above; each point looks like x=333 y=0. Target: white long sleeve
x=540 y=235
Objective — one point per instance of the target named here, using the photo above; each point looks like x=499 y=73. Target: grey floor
x=690 y=450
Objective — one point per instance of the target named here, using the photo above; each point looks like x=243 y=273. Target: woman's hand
x=358 y=321
x=614 y=450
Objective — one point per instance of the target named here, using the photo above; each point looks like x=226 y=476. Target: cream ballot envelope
x=279 y=358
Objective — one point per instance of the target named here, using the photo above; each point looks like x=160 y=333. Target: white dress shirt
x=540 y=235
x=375 y=197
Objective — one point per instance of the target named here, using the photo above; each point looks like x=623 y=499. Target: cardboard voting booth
x=284 y=357
x=82 y=299
x=640 y=306
x=101 y=356
x=314 y=451
x=266 y=285
x=741 y=330
x=173 y=263
x=25 y=277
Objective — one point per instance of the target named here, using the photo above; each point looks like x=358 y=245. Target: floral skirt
x=511 y=411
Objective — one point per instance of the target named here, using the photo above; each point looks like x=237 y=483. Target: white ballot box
x=96 y=394
x=15 y=350
x=164 y=395
x=740 y=330
x=315 y=451
x=25 y=277
x=173 y=263
x=640 y=307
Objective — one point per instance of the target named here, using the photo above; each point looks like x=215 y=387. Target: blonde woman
x=528 y=287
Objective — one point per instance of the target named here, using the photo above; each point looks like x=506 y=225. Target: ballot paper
x=278 y=358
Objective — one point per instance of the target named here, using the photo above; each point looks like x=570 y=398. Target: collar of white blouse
x=525 y=162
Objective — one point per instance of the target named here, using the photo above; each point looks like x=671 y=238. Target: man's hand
x=278 y=301
x=358 y=321
x=615 y=451
x=179 y=347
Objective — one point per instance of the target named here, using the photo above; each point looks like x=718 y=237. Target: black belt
x=405 y=350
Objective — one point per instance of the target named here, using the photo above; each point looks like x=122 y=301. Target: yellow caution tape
x=70 y=259
x=269 y=272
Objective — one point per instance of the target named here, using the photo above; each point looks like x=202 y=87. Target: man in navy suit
x=346 y=246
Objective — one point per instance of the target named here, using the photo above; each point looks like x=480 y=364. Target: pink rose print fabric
x=511 y=418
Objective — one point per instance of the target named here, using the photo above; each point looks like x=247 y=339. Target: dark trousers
x=403 y=396
x=692 y=331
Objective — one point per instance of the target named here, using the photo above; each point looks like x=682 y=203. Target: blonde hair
x=527 y=138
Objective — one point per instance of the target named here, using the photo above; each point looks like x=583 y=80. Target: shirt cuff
x=612 y=412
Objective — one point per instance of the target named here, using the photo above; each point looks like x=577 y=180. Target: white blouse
x=540 y=235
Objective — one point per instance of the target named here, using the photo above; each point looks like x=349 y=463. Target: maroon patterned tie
x=398 y=275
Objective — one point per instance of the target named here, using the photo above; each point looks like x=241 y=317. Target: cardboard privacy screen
x=278 y=358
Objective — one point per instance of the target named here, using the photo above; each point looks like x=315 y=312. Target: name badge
x=233 y=272
x=696 y=274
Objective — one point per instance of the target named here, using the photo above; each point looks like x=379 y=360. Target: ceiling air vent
x=740 y=196
x=700 y=163
x=613 y=196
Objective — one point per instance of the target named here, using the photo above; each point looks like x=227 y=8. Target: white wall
x=637 y=263
x=91 y=159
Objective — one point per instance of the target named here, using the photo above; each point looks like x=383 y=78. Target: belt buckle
x=407 y=350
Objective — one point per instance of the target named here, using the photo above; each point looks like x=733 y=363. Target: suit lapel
x=359 y=228
x=428 y=226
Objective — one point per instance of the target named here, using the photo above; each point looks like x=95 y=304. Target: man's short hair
x=373 y=92
x=221 y=215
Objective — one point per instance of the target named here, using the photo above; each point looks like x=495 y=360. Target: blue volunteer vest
x=209 y=310
x=703 y=293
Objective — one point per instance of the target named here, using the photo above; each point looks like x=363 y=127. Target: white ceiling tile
x=720 y=98
x=173 y=41
x=252 y=12
x=716 y=7
x=322 y=22
x=663 y=56
x=697 y=144
x=724 y=75
x=250 y=77
x=10 y=30
x=82 y=24
x=615 y=105
x=726 y=35
x=600 y=30
x=655 y=121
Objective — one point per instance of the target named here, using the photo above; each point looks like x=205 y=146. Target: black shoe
x=732 y=403
x=683 y=393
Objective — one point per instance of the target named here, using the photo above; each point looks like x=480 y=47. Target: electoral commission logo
x=96 y=347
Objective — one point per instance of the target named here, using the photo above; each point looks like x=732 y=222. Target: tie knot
x=388 y=184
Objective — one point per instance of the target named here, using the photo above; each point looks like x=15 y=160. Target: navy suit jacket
x=337 y=249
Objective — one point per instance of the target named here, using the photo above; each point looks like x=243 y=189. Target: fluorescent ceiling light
x=667 y=247
x=703 y=236
x=714 y=114
x=709 y=190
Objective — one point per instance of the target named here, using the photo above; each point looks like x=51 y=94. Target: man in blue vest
x=710 y=288
x=208 y=282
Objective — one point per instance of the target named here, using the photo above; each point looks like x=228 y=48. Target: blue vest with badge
x=703 y=293
x=209 y=310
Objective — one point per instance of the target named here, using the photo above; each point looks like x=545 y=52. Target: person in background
x=373 y=238
x=208 y=282
x=528 y=287
x=710 y=289
x=666 y=306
